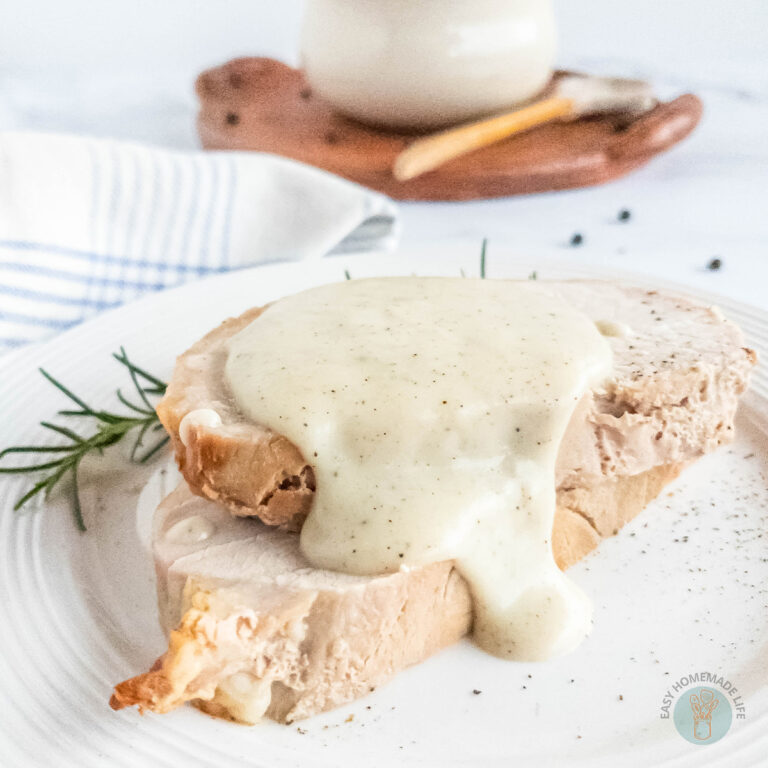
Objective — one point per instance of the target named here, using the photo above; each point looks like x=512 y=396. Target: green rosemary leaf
x=152 y=451
x=347 y=276
x=62 y=431
x=107 y=418
x=33 y=468
x=52 y=480
x=110 y=429
x=483 y=252
x=135 y=380
x=36 y=449
x=139 y=440
x=63 y=389
x=159 y=386
x=32 y=492
x=108 y=438
x=77 y=510
x=130 y=405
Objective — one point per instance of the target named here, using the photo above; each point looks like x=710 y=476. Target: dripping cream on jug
x=432 y=411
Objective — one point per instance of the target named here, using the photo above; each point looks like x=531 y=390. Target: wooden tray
x=262 y=104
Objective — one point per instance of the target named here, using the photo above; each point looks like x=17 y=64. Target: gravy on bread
x=431 y=411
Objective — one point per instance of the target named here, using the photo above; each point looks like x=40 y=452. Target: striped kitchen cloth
x=88 y=224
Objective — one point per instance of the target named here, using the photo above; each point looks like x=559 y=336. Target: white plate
x=77 y=612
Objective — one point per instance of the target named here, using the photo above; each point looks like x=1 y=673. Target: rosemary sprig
x=111 y=428
x=483 y=251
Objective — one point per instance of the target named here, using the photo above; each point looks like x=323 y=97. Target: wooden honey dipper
x=572 y=97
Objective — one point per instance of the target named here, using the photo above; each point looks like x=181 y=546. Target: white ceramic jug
x=427 y=63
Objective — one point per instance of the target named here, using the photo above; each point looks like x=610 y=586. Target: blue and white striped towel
x=88 y=224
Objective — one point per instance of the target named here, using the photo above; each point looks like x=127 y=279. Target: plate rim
x=580 y=271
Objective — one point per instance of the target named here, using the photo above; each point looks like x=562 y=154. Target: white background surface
x=123 y=69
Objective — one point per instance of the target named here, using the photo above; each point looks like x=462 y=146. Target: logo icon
x=702 y=709
x=702 y=715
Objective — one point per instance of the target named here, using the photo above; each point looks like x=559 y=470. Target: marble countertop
x=126 y=71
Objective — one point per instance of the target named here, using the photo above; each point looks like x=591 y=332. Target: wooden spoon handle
x=433 y=151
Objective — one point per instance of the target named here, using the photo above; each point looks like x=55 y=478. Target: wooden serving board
x=262 y=104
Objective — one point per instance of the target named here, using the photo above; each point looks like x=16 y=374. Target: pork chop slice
x=679 y=368
x=254 y=630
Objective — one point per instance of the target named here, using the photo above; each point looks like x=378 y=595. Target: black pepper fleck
x=624 y=214
x=232 y=118
x=577 y=239
x=714 y=265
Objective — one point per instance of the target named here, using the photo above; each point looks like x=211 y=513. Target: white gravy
x=432 y=411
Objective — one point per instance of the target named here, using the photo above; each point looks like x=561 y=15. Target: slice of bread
x=255 y=630
x=679 y=368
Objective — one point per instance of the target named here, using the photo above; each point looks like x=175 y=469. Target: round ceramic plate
x=682 y=590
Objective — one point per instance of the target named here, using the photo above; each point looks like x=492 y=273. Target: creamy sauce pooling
x=432 y=410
